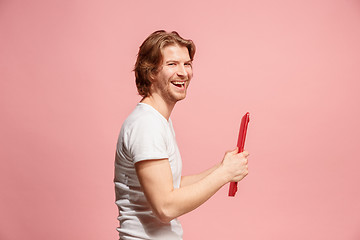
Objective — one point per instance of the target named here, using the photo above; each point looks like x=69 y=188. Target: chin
x=179 y=98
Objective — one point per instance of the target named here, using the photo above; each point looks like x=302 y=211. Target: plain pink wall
x=67 y=85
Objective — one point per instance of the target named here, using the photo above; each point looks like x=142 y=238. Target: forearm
x=191 y=179
x=187 y=198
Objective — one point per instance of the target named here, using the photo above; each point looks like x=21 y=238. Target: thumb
x=235 y=151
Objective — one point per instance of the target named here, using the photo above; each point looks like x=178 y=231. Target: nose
x=182 y=72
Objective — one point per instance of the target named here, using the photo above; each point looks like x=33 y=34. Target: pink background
x=67 y=85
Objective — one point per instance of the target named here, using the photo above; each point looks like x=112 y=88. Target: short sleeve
x=147 y=139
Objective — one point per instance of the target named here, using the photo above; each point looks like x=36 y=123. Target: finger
x=235 y=151
x=245 y=153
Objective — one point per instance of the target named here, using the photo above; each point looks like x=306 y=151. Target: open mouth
x=179 y=84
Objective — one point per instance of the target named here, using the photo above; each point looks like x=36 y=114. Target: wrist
x=223 y=174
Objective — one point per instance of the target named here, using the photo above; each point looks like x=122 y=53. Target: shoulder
x=145 y=134
x=142 y=117
x=143 y=121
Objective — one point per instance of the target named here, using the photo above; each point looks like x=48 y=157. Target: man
x=150 y=191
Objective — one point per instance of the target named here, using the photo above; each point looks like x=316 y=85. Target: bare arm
x=188 y=180
x=168 y=203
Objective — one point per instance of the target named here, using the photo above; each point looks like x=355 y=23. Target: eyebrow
x=189 y=61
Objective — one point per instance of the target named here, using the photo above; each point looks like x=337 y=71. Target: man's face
x=175 y=73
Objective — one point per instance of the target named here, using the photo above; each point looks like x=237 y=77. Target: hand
x=235 y=165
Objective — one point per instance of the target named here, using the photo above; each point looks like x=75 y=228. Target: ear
x=152 y=76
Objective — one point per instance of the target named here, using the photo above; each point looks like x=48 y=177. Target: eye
x=171 y=64
x=189 y=64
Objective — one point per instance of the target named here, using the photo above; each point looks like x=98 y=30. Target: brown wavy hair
x=150 y=56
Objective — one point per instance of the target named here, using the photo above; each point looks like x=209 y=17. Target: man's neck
x=163 y=107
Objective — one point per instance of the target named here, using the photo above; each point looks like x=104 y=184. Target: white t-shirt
x=145 y=135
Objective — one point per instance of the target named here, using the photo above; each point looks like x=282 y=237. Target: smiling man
x=150 y=190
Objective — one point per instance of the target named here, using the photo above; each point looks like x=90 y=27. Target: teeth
x=179 y=83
